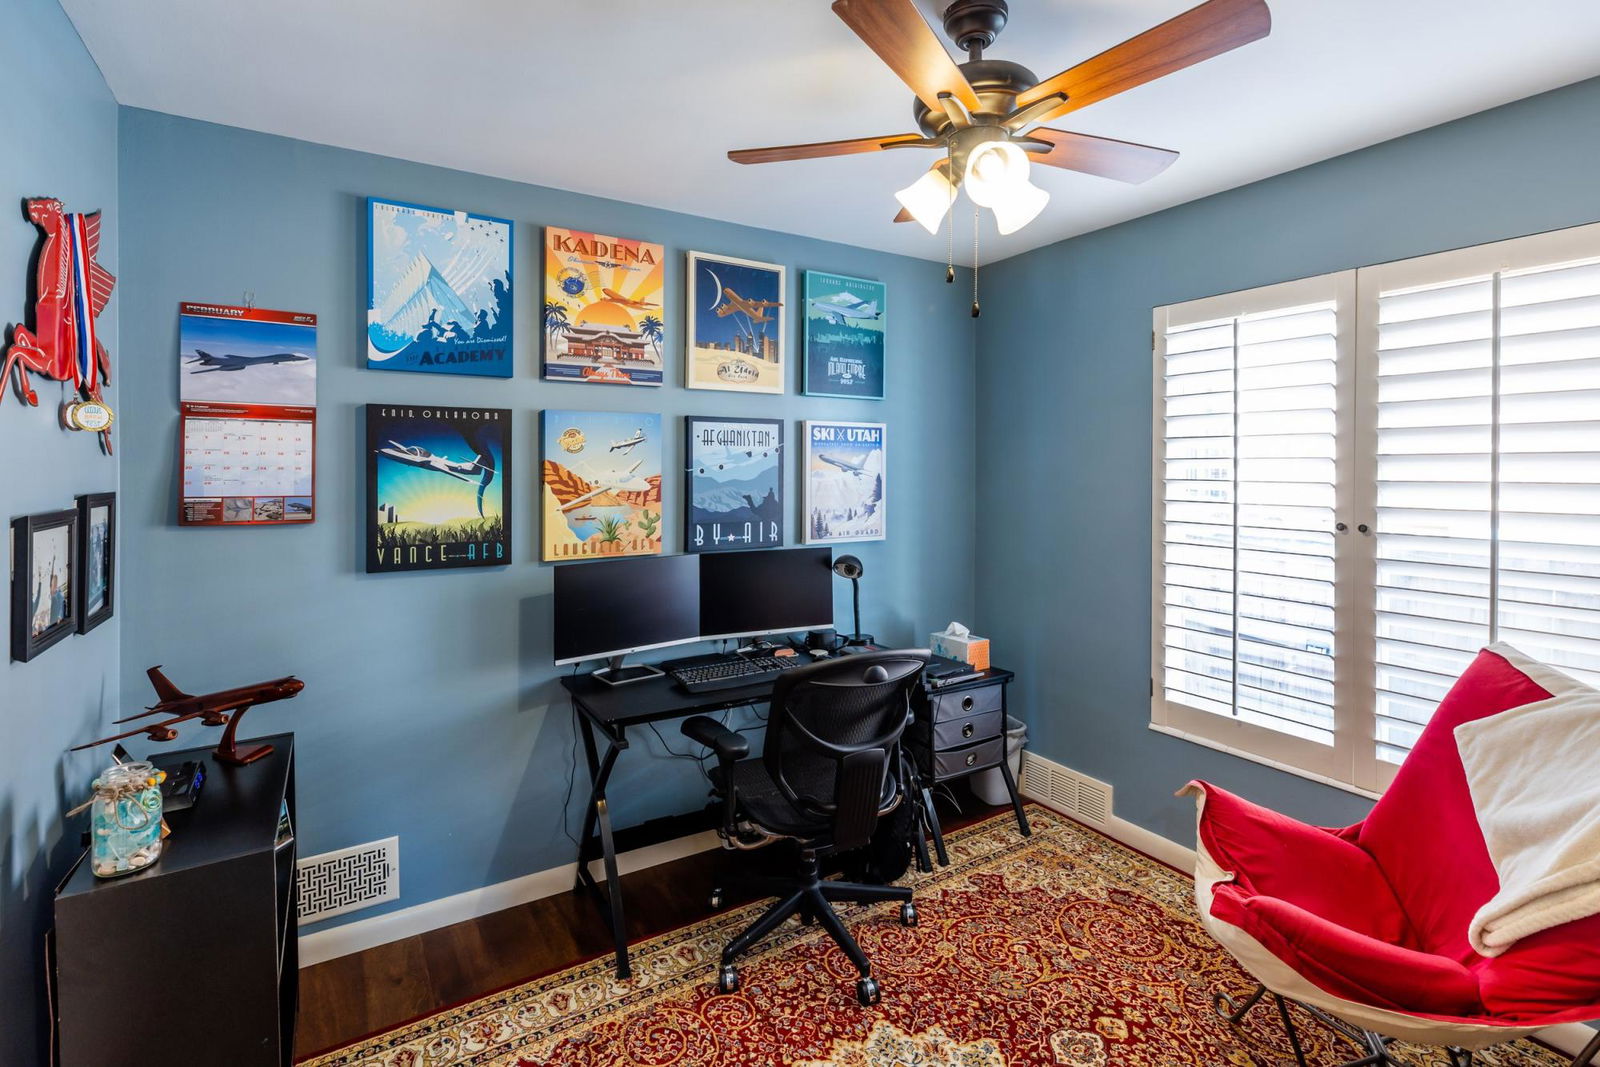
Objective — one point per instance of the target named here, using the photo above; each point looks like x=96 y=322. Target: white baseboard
x=433 y=914
x=1567 y=1037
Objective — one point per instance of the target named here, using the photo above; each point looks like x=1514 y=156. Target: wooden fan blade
x=820 y=149
x=1200 y=33
x=1123 y=161
x=904 y=216
x=896 y=31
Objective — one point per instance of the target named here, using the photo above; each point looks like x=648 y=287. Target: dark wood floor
x=349 y=997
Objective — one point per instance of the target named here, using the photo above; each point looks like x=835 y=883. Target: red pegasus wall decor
x=72 y=291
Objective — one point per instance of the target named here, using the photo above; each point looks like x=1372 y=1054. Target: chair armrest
x=729 y=746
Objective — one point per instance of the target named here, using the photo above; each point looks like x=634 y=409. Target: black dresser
x=194 y=959
x=960 y=729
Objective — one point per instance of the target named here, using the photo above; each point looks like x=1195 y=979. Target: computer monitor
x=766 y=591
x=609 y=609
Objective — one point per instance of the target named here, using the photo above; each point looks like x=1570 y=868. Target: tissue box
x=968 y=648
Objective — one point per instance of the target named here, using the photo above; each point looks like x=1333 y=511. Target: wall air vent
x=349 y=879
x=1065 y=790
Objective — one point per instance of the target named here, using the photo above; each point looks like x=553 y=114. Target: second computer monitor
x=766 y=591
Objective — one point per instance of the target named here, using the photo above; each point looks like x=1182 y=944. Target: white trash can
x=990 y=786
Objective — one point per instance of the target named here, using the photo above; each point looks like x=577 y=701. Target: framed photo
x=737 y=328
x=844 y=334
x=603 y=321
x=44 y=551
x=846 y=482
x=438 y=290
x=97 y=559
x=600 y=484
x=438 y=488
x=733 y=495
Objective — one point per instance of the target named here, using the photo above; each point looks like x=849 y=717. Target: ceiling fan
x=982 y=113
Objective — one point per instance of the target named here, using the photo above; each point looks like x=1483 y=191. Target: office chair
x=830 y=766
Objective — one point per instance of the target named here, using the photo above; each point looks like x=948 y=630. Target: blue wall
x=58 y=126
x=431 y=708
x=1064 y=411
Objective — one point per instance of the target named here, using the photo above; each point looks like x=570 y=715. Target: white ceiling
x=640 y=99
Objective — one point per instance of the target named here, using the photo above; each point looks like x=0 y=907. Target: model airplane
x=756 y=309
x=629 y=444
x=417 y=456
x=617 y=298
x=845 y=465
x=841 y=306
x=209 y=363
x=211 y=709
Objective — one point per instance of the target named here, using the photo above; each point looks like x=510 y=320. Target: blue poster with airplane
x=735 y=483
x=438 y=290
x=844 y=335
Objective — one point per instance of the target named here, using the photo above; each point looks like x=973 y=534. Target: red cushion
x=1350 y=964
x=1424 y=832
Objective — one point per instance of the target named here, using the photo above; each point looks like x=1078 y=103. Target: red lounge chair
x=1366 y=926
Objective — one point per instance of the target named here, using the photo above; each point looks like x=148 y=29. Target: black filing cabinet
x=192 y=960
x=960 y=729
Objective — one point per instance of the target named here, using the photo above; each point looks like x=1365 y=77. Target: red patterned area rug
x=1064 y=949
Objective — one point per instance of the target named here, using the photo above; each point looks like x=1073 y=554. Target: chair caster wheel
x=908 y=914
x=715 y=901
x=867 y=992
x=728 y=979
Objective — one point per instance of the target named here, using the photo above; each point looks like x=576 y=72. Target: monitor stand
x=615 y=673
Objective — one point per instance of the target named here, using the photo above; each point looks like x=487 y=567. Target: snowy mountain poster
x=737 y=328
x=844 y=333
x=735 y=483
x=438 y=491
x=600 y=484
x=846 y=472
x=603 y=320
x=438 y=290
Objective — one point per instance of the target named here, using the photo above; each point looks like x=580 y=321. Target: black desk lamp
x=850 y=567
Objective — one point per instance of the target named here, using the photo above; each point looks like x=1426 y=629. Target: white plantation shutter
x=1247 y=445
x=1360 y=481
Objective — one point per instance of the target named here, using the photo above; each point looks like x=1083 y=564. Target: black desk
x=609 y=710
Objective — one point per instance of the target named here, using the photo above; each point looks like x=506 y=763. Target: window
x=1363 y=478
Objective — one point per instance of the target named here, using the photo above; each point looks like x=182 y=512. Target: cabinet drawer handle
x=966 y=703
x=972 y=757
x=966 y=729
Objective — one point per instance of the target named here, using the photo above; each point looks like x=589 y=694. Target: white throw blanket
x=1535 y=784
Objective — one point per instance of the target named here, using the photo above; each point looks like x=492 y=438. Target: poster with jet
x=735 y=483
x=603 y=321
x=438 y=290
x=600 y=484
x=846 y=471
x=845 y=319
x=438 y=493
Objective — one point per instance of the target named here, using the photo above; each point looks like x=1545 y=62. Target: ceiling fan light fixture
x=928 y=199
x=993 y=169
x=1020 y=205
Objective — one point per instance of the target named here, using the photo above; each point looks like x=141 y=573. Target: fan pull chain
x=976 y=310
x=950 y=231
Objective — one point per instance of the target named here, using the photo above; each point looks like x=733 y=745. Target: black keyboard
x=734 y=672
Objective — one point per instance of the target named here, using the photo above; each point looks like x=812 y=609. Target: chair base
x=1375 y=1045
x=811 y=897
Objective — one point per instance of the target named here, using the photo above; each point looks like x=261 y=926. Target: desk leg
x=598 y=812
x=1016 y=799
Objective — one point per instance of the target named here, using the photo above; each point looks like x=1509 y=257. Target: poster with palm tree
x=603 y=320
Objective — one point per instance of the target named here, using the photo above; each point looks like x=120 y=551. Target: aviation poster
x=600 y=484
x=735 y=483
x=247 y=385
x=844 y=336
x=737 y=328
x=603 y=320
x=438 y=290
x=438 y=488
x=846 y=472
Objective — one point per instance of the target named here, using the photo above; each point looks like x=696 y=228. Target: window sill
x=1277 y=765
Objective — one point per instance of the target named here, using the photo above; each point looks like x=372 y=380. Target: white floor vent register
x=1065 y=790
x=349 y=879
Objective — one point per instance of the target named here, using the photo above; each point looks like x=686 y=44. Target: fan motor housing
x=996 y=83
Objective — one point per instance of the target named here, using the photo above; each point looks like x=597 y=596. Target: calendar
x=248 y=464
x=248 y=394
